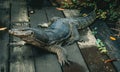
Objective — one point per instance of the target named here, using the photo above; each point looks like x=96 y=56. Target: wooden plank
x=36 y=4
x=18 y=12
x=21 y=57
x=4 y=40
x=74 y=53
x=38 y=17
x=89 y=50
x=4 y=17
x=44 y=61
x=95 y=60
x=104 y=33
x=4 y=4
x=53 y=12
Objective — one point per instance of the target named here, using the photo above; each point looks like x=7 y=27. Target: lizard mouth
x=12 y=32
x=20 y=33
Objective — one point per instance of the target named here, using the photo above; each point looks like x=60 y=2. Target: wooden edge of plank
x=21 y=58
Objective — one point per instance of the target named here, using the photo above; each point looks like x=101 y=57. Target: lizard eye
x=32 y=33
x=22 y=30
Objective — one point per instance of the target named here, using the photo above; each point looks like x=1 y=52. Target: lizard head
x=22 y=32
x=30 y=35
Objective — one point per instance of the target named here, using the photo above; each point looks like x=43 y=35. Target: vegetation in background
x=106 y=9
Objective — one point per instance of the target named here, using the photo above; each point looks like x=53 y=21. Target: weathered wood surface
x=39 y=17
x=44 y=61
x=4 y=39
x=29 y=58
x=77 y=56
x=104 y=33
x=95 y=60
x=4 y=36
x=21 y=57
x=18 y=11
x=4 y=4
x=89 y=49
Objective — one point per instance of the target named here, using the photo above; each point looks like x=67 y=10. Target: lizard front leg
x=61 y=53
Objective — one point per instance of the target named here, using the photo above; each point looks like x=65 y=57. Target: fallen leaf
x=60 y=9
x=103 y=51
x=112 y=38
x=4 y=28
x=109 y=60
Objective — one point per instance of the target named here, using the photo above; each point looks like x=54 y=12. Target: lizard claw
x=63 y=60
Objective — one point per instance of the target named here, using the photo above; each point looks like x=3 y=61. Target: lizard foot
x=61 y=53
x=63 y=60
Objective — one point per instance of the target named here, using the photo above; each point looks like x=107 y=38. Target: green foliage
x=101 y=14
x=101 y=46
x=106 y=9
x=113 y=15
x=72 y=4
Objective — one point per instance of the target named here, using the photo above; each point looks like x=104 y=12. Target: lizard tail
x=84 y=22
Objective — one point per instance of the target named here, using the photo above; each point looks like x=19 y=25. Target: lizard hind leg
x=74 y=36
x=61 y=53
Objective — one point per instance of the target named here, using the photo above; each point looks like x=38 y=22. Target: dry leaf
x=112 y=38
x=4 y=28
x=60 y=9
x=109 y=60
